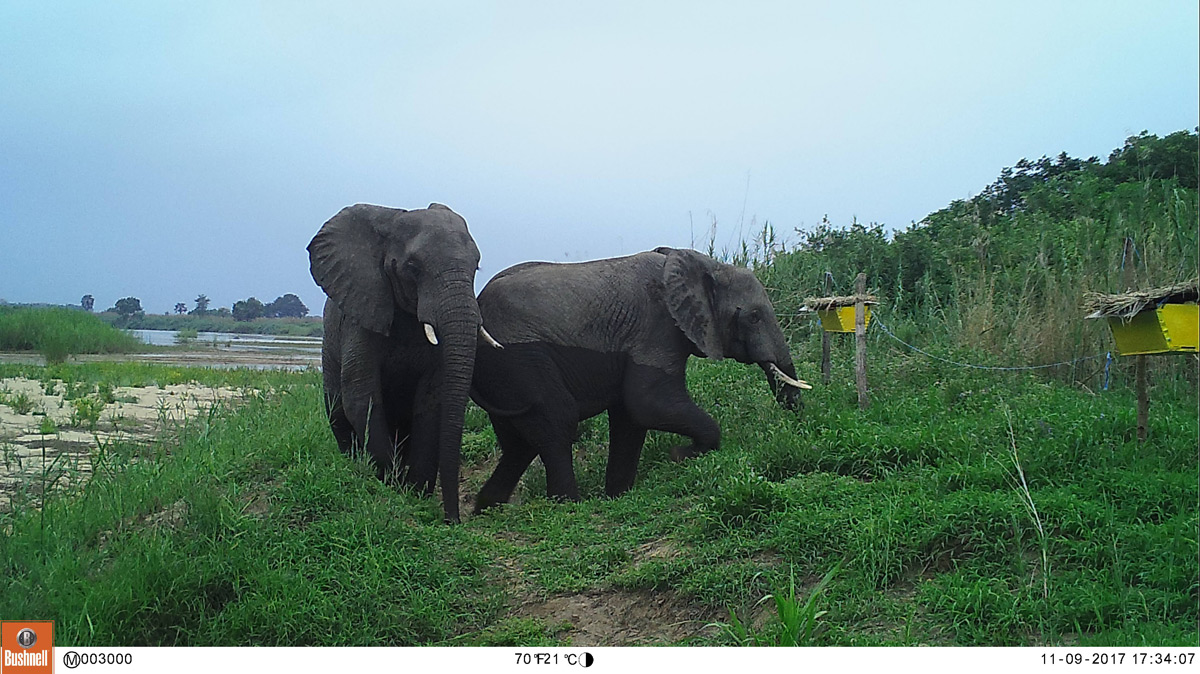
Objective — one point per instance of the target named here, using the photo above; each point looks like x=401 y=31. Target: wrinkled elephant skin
x=401 y=329
x=614 y=335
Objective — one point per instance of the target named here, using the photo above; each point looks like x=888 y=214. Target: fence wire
x=1007 y=368
x=1004 y=368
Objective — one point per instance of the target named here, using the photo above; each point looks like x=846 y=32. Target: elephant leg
x=335 y=411
x=515 y=457
x=625 y=440
x=560 y=470
x=422 y=453
x=550 y=438
x=362 y=400
x=538 y=435
x=343 y=430
x=551 y=434
x=378 y=438
x=659 y=400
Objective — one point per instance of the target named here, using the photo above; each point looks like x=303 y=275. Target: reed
x=57 y=333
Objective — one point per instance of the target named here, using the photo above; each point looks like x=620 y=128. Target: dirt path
x=50 y=431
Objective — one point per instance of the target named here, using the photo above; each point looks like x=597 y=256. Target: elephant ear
x=689 y=290
x=346 y=260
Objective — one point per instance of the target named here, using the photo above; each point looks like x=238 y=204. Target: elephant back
x=607 y=306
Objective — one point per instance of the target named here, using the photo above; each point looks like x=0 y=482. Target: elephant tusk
x=796 y=383
x=430 y=334
x=489 y=339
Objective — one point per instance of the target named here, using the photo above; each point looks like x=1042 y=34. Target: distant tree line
x=284 y=306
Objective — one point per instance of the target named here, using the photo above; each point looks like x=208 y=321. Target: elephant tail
x=493 y=409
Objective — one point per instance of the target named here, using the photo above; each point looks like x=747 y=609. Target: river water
x=233 y=341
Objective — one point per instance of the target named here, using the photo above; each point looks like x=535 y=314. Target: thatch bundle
x=827 y=303
x=1127 y=305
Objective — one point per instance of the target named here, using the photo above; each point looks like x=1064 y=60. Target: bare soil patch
x=623 y=618
x=50 y=441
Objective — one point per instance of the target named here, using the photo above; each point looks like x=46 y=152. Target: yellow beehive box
x=841 y=319
x=1170 y=328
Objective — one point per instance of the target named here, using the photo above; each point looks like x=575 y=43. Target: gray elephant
x=401 y=329
x=614 y=335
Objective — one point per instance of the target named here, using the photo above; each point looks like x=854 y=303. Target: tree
x=87 y=302
x=180 y=308
x=247 y=309
x=201 y=306
x=1146 y=156
x=127 y=306
x=286 y=306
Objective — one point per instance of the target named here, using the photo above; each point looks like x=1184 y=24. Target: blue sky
x=168 y=149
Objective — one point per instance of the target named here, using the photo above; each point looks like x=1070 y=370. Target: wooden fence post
x=860 y=339
x=825 y=334
x=1141 y=376
x=1127 y=264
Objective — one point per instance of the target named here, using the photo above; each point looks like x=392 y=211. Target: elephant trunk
x=781 y=377
x=457 y=322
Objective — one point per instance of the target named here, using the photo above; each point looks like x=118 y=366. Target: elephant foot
x=485 y=502
x=481 y=508
x=684 y=452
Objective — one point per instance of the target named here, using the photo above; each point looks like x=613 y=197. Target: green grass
x=57 y=333
x=73 y=380
x=20 y=402
x=246 y=526
x=795 y=624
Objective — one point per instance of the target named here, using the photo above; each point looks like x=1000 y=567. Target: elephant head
x=385 y=268
x=725 y=312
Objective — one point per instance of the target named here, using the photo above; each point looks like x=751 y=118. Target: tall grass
x=1010 y=292
x=57 y=333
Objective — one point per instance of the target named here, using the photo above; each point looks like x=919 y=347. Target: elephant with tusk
x=401 y=328
x=614 y=335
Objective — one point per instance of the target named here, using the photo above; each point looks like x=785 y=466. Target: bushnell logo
x=26 y=638
x=28 y=647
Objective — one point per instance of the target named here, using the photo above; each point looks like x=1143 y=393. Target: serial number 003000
x=1119 y=658
x=73 y=659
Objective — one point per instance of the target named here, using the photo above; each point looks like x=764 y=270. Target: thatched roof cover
x=1127 y=305
x=826 y=303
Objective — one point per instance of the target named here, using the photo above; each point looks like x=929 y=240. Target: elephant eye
x=755 y=317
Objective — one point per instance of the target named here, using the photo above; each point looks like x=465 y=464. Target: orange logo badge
x=28 y=647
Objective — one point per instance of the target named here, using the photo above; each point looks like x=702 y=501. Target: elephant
x=401 y=329
x=615 y=335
